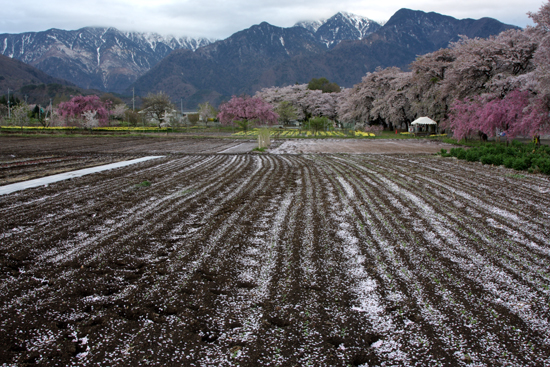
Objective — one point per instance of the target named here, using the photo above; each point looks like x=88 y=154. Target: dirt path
x=323 y=260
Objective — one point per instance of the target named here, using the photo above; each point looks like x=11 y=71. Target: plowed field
x=279 y=260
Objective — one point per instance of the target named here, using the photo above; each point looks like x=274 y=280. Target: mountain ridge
x=94 y=57
x=15 y=74
x=212 y=72
x=342 y=48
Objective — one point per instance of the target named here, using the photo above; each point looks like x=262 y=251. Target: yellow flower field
x=303 y=133
x=106 y=128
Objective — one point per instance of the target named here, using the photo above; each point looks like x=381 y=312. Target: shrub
x=520 y=164
x=487 y=159
x=454 y=152
x=498 y=159
x=461 y=154
x=509 y=162
x=543 y=165
x=517 y=156
x=472 y=155
x=316 y=124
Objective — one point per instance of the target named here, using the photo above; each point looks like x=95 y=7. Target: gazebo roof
x=423 y=121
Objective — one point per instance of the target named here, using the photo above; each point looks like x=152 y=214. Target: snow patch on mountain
x=311 y=25
x=97 y=57
x=340 y=27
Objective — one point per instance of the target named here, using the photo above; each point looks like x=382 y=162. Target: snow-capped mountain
x=100 y=58
x=311 y=25
x=340 y=27
x=265 y=55
x=342 y=48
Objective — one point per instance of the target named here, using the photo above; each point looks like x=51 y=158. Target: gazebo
x=423 y=126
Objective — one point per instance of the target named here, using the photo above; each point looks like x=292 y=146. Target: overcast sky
x=219 y=19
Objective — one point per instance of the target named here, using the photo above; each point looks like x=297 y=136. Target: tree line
x=498 y=85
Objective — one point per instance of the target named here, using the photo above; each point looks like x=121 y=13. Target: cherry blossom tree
x=90 y=120
x=247 y=110
x=20 y=114
x=355 y=104
x=519 y=113
x=119 y=111
x=72 y=111
x=535 y=118
x=542 y=55
x=425 y=94
x=207 y=111
x=306 y=102
x=317 y=103
x=463 y=119
x=296 y=95
x=502 y=114
x=380 y=98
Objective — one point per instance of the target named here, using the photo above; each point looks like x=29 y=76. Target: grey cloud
x=220 y=19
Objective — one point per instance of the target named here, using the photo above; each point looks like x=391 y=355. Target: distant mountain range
x=100 y=58
x=342 y=48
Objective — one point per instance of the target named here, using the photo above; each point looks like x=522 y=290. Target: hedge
x=519 y=156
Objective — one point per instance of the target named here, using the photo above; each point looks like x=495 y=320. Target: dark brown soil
x=360 y=146
x=277 y=260
x=25 y=158
x=147 y=145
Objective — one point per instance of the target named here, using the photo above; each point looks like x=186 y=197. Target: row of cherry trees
x=499 y=84
x=85 y=111
x=495 y=85
x=307 y=103
x=272 y=105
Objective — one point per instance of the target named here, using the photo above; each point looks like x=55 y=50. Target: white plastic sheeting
x=44 y=181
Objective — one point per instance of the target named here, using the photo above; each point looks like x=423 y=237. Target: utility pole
x=181 y=108
x=51 y=110
x=9 y=110
x=133 y=100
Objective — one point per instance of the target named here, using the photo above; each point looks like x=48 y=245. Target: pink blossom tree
x=463 y=119
x=380 y=98
x=296 y=95
x=247 y=110
x=319 y=104
x=519 y=113
x=535 y=118
x=72 y=111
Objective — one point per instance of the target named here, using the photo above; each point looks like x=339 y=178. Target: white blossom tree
x=90 y=119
